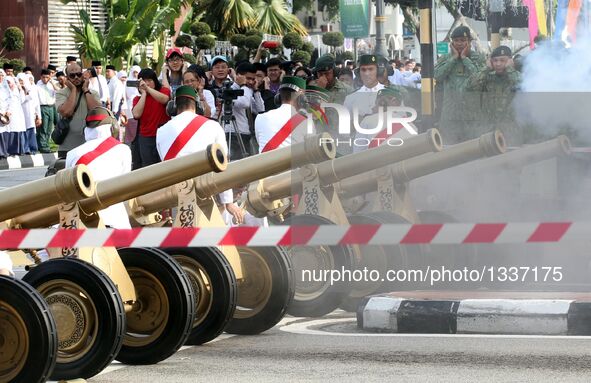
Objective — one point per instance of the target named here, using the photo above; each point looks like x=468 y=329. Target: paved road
x=303 y=350
x=15 y=177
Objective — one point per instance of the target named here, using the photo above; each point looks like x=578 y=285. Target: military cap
x=51 y=67
x=186 y=91
x=96 y=63
x=100 y=116
x=112 y=67
x=461 y=31
x=393 y=91
x=325 y=62
x=368 y=60
x=293 y=83
x=317 y=92
x=501 y=51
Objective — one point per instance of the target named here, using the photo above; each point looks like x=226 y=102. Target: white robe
x=15 y=107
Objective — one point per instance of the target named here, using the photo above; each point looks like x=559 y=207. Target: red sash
x=181 y=140
x=284 y=132
x=381 y=136
x=101 y=149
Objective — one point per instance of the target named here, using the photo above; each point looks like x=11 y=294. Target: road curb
x=475 y=316
x=28 y=161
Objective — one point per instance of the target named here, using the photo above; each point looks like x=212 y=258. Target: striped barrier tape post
x=328 y=235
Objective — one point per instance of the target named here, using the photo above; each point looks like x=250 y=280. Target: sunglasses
x=74 y=75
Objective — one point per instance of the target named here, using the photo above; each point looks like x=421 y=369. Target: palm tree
x=226 y=17
x=273 y=18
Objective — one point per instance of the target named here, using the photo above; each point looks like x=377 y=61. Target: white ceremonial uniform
x=268 y=124
x=382 y=136
x=117 y=94
x=114 y=162
x=6 y=262
x=209 y=133
x=363 y=100
x=102 y=88
x=46 y=93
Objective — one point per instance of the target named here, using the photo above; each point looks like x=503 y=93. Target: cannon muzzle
x=487 y=145
x=138 y=182
x=314 y=149
x=65 y=186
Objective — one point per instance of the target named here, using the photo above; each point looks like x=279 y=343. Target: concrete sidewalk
x=27 y=161
x=488 y=312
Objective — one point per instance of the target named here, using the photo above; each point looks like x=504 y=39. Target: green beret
x=501 y=51
x=368 y=60
x=461 y=31
x=318 y=93
x=186 y=91
x=293 y=83
x=393 y=91
x=326 y=62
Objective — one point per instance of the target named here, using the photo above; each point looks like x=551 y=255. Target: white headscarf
x=135 y=68
x=25 y=79
x=121 y=74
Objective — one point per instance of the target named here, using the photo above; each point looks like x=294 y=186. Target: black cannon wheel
x=88 y=312
x=215 y=288
x=316 y=296
x=160 y=321
x=265 y=292
x=29 y=334
x=380 y=258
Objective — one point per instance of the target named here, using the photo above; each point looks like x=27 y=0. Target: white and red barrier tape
x=391 y=234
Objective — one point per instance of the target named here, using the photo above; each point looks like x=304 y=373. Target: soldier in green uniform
x=326 y=78
x=496 y=86
x=453 y=72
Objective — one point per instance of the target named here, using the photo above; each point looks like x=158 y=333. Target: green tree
x=302 y=56
x=333 y=39
x=293 y=41
x=308 y=47
x=229 y=17
x=129 y=23
x=13 y=40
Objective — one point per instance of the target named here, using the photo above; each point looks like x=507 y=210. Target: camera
x=228 y=95
x=132 y=83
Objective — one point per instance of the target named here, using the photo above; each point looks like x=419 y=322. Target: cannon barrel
x=136 y=183
x=330 y=172
x=487 y=145
x=518 y=158
x=314 y=149
x=66 y=186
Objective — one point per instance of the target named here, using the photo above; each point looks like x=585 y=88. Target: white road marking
x=304 y=329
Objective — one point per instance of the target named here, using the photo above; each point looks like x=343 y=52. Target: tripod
x=228 y=120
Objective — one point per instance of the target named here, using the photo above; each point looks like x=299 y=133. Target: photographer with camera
x=73 y=102
x=220 y=71
x=241 y=99
x=150 y=111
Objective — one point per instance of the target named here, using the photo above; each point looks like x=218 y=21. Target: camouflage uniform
x=495 y=92
x=338 y=92
x=457 y=114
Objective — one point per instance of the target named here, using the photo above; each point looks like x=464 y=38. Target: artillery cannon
x=133 y=304
x=265 y=283
x=319 y=204
x=29 y=335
